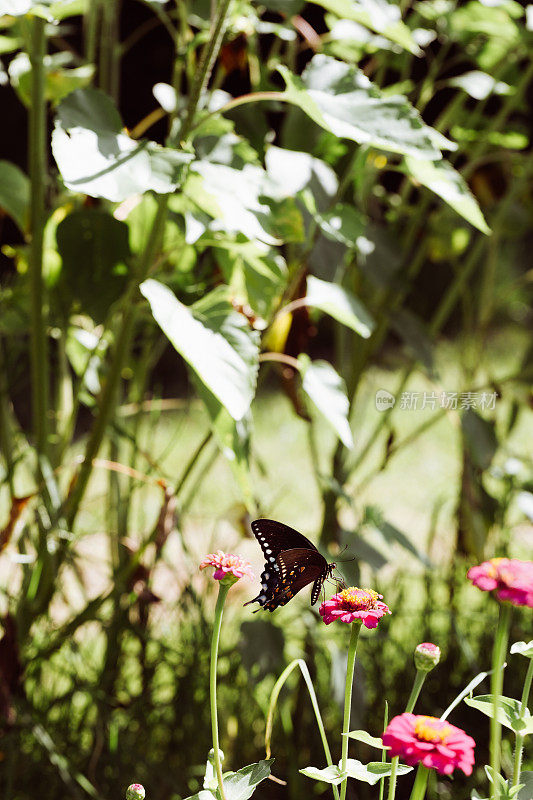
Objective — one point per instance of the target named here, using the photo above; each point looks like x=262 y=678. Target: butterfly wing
x=274 y=537
x=296 y=568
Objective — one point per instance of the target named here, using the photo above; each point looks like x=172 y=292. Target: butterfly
x=292 y=561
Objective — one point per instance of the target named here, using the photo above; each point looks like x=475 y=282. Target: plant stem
x=418 y=791
x=356 y=629
x=219 y=610
x=209 y=55
x=420 y=677
x=496 y=686
x=519 y=738
x=37 y=169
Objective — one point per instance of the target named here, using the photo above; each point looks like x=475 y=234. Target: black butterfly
x=292 y=561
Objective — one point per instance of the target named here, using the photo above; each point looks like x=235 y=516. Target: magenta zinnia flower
x=430 y=741
x=510 y=578
x=227 y=564
x=354 y=604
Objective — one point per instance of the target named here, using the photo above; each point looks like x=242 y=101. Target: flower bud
x=211 y=756
x=427 y=656
x=135 y=792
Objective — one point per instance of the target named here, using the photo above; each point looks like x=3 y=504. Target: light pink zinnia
x=430 y=741
x=510 y=578
x=227 y=564
x=354 y=604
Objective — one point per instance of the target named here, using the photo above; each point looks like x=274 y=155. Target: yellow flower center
x=495 y=565
x=358 y=599
x=431 y=729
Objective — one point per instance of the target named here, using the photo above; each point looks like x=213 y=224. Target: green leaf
x=442 y=179
x=509 y=712
x=523 y=649
x=241 y=785
x=343 y=224
x=480 y=438
x=216 y=342
x=391 y=534
x=526 y=792
x=15 y=193
x=59 y=80
x=525 y=504
x=331 y=774
x=94 y=248
x=373 y=772
x=480 y=85
x=414 y=333
x=341 y=99
x=95 y=158
x=233 y=199
x=291 y=171
x=366 y=738
x=340 y=304
x=379 y=15
x=327 y=390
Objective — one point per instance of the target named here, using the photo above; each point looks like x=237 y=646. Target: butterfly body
x=291 y=563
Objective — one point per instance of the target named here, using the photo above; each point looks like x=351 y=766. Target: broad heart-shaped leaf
x=378 y=15
x=331 y=774
x=340 y=304
x=449 y=185
x=366 y=738
x=15 y=193
x=341 y=99
x=94 y=248
x=233 y=199
x=242 y=784
x=372 y=772
x=523 y=649
x=327 y=391
x=96 y=158
x=509 y=712
x=216 y=341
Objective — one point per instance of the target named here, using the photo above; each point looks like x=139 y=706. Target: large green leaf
x=327 y=391
x=216 y=341
x=96 y=158
x=449 y=185
x=94 y=248
x=331 y=774
x=523 y=649
x=59 y=79
x=340 y=304
x=378 y=15
x=343 y=224
x=366 y=738
x=509 y=712
x=291 y=171
x=241 y=785
x=234 y=199
x=374 y=771
x=15 y=193
x=341 y=99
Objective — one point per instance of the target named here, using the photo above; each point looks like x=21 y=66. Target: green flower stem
x=37 y=168
x=519 y=738
x=219 y=610
x=420 y=677
x=356 y=629
x=418 y=791
x=496 y=687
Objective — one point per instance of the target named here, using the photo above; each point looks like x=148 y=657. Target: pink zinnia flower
x=354 y=604
x=430 y=741
x=510 y=578
x=226 y=564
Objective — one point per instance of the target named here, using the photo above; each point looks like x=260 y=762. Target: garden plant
x=266 y=260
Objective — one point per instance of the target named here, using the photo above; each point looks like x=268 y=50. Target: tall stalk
x=37 y=170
